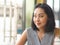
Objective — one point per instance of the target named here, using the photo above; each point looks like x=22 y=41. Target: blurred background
x=15 y=16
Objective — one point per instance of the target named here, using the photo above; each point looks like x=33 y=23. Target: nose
x=37 y=19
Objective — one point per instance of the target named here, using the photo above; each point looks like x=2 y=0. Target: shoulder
x=23 y=38
x=27 y=30
x=57 y=32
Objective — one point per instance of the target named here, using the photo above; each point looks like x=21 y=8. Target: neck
x=41 y=30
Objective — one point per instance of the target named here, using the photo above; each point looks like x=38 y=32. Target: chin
x=40 y=26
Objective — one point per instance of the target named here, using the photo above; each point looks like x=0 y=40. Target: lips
x=38 y=23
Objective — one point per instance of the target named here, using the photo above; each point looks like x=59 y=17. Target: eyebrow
x=39 y=13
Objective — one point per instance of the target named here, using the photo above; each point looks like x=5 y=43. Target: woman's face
x=40 y=18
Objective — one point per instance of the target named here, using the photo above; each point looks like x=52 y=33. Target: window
x=56 y=7
x=10 y=18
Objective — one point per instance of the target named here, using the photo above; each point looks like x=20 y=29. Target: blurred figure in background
x=42 y=30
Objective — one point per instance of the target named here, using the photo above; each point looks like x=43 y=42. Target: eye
x=41 y=15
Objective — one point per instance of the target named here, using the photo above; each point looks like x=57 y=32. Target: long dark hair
x=50 y=25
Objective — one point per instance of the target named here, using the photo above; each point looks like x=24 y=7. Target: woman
x=42 y=30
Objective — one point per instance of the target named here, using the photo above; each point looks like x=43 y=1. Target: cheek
x=44 y=20
x=33 y=20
